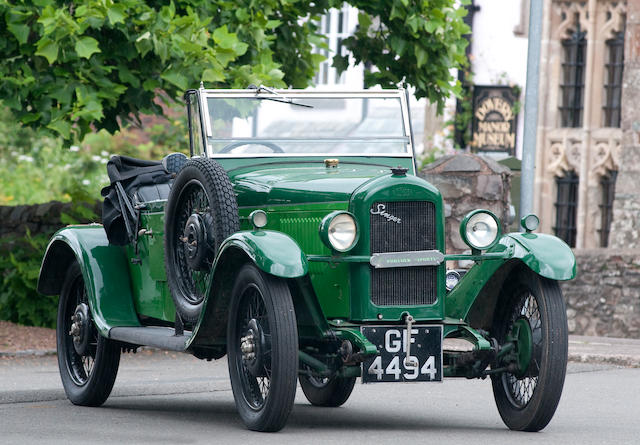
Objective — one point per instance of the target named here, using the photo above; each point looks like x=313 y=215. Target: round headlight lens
x=258 y=218
x=339 y=231
x=530 y=222
x=481 y=230
x=342 y=232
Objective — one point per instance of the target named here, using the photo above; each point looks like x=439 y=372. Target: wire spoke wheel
x=527 y=398
x=80 y=366
x=88 y=362
x=520 y=390
x=255 y=382
x=262 y=343
x=200 y=213
x=192 y=201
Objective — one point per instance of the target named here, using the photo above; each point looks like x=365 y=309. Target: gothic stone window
x=573 y=68
x=608 y=187
x=613 y=80
x=566 y=207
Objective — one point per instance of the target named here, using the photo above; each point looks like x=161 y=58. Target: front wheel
x=87 y=361
x=262 y=343
x=532 y=315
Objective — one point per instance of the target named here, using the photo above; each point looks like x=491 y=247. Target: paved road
x=174 y=398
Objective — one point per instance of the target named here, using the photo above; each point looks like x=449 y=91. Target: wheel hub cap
x=196 y=243
x=521 y=333
x=80 y=326
x=252 y=347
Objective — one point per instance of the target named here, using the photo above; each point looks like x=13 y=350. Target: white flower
x=74 y=148
x=104 y=153
x=104 y=160
x=95 y=158
x=86 y=182
x=25 y=158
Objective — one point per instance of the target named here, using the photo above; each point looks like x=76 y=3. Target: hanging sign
x=493 y=124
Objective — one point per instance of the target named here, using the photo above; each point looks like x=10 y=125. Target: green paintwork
x=546 y=255
x=390 y=187
x=357 y=338
x=149 y=281
x=301 y=222
x=105 y=273
x=274 y=252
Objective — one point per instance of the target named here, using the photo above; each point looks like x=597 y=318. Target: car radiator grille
x=416 y=231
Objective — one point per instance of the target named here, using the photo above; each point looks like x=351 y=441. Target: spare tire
x=201 y=212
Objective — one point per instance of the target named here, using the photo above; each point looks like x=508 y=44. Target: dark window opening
x=566 y=207
x=608 y=187
x=613 y=81
x=572 y=88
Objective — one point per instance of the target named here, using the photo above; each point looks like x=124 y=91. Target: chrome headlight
x=480 y=229
x=339 y=231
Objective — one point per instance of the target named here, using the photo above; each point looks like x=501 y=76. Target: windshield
x=277 y=124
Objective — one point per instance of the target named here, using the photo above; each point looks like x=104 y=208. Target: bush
x=20 y=260
x=19 y=269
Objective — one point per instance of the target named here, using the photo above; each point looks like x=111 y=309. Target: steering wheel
x=275 y=148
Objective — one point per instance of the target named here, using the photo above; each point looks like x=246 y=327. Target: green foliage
x=20 y=260
x=70 y=66
x=74 y=67
x=19 y=269
x=410 y=42
x=461 y=120
x=35 y=168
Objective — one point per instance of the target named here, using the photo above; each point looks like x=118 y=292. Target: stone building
x=579 y=135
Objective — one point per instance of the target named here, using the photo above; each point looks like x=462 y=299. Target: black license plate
x=389 y=364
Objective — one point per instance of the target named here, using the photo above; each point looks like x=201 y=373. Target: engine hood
x=275 y=184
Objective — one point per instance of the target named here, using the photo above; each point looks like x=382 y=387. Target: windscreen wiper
x=279 y=98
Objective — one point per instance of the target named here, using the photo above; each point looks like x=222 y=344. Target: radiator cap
x=399 y=171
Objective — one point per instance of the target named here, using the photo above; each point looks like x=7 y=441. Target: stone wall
x=468 y=182
x=625 y=229
x=604 y=298
x=37 y=218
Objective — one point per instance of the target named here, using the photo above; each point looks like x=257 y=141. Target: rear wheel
x=533 y=316
x=262 y=343
x=327 y=392
x=87 y=361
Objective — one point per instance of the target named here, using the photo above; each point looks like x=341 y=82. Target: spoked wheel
x=533 y=317
x=327 y=392
x=263 y=349
x=87 y=361
x=201 y=212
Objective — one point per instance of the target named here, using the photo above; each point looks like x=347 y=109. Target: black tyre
x=528 y=398
x=87 y=361
x=262 y=343
x=201 y=212
x=325 y=391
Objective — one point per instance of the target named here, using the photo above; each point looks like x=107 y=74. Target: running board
x=156 y=336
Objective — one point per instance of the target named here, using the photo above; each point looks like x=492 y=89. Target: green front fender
x=273 y=252
x=546 y=255
x=104 y=269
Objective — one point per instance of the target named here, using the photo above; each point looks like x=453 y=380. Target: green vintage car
x=298 y=241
